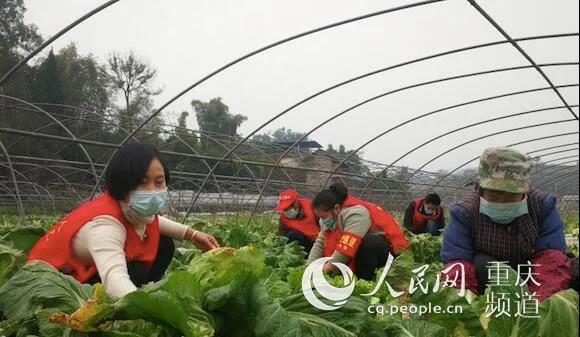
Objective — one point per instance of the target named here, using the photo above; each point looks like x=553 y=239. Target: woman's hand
x=329 y=268
x=203 y=241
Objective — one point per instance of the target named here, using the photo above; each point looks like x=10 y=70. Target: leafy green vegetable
x=87 y=318
x=573 y=249
x=136 y=328
x=266 y=317
x=221 y=266
x=276 y=287
x=501 y=325
x=255 y=291
x=239 y=236
x=22 y=238
x=294 y=279
x=35 y=293
x=401 y=270
x=417 y=328
x=46 y=328
x=37 y=286
x=172 y=302
x=284 y=255
x=462 y=318
x=559 y=315
x=227 y=302
x=273 y=320
x=425 y=247
x=19 y=328
x=10 y=260
x=353 y=317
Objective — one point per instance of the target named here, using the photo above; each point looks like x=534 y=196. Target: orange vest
x=420 y=219
x=55 y=247
x=349 y=243
x=307 y=225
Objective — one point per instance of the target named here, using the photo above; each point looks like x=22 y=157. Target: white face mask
x=147 y=203
x=428 y=211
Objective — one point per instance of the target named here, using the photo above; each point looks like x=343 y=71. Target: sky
x=186 y=40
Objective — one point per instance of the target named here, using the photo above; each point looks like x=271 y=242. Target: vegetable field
x=252 y=289
x=233 y=102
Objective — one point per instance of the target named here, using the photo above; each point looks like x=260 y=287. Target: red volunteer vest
x=349 y=243
x=420 y=219
x=308 y=225
x=55 y=247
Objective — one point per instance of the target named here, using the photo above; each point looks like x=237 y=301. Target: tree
x=401 y=184
x=48 y=85
x=217 y=123
x=262 y=138
x=287 y=135
x=84 y=81
x=183 y=140
x=182 y=121
x=181 y=130
x=16 y=36
x=468 y=172
x=85 y=87
x=279 y=135
x=133 y=78
x=16 y=39
x=214 y=117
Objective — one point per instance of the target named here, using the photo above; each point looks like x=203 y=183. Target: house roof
x=306 y=144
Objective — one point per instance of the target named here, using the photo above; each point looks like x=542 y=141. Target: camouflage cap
x=505 y=169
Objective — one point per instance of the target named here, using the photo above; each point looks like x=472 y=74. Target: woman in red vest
x=354 y=232
x=297 y=219
x=117 y=238
x=425 y=215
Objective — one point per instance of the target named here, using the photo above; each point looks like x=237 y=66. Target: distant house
x=321 y=162
x=295 y=158
x=308 y=145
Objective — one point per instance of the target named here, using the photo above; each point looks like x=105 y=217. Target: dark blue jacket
x=458 y=239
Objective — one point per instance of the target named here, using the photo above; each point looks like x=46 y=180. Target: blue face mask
x=503 y=213
x=428 y=211
x=291 y=213
x=327 y=223
x=147 y=203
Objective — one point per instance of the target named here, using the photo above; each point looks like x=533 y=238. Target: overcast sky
x=185 y=40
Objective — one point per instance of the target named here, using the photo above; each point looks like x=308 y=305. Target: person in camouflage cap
x=505 y=169
x=507 y=220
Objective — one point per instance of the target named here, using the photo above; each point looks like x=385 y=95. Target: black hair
x=128 y=167
x=433 y=199
x=326 y=199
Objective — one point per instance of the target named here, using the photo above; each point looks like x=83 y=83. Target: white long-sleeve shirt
x=101 y=241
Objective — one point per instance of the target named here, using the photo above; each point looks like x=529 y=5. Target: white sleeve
x=172 y=229
x=318 y=248
x=106 y=243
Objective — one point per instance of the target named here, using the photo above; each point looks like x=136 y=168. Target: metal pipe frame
x=253 y=179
